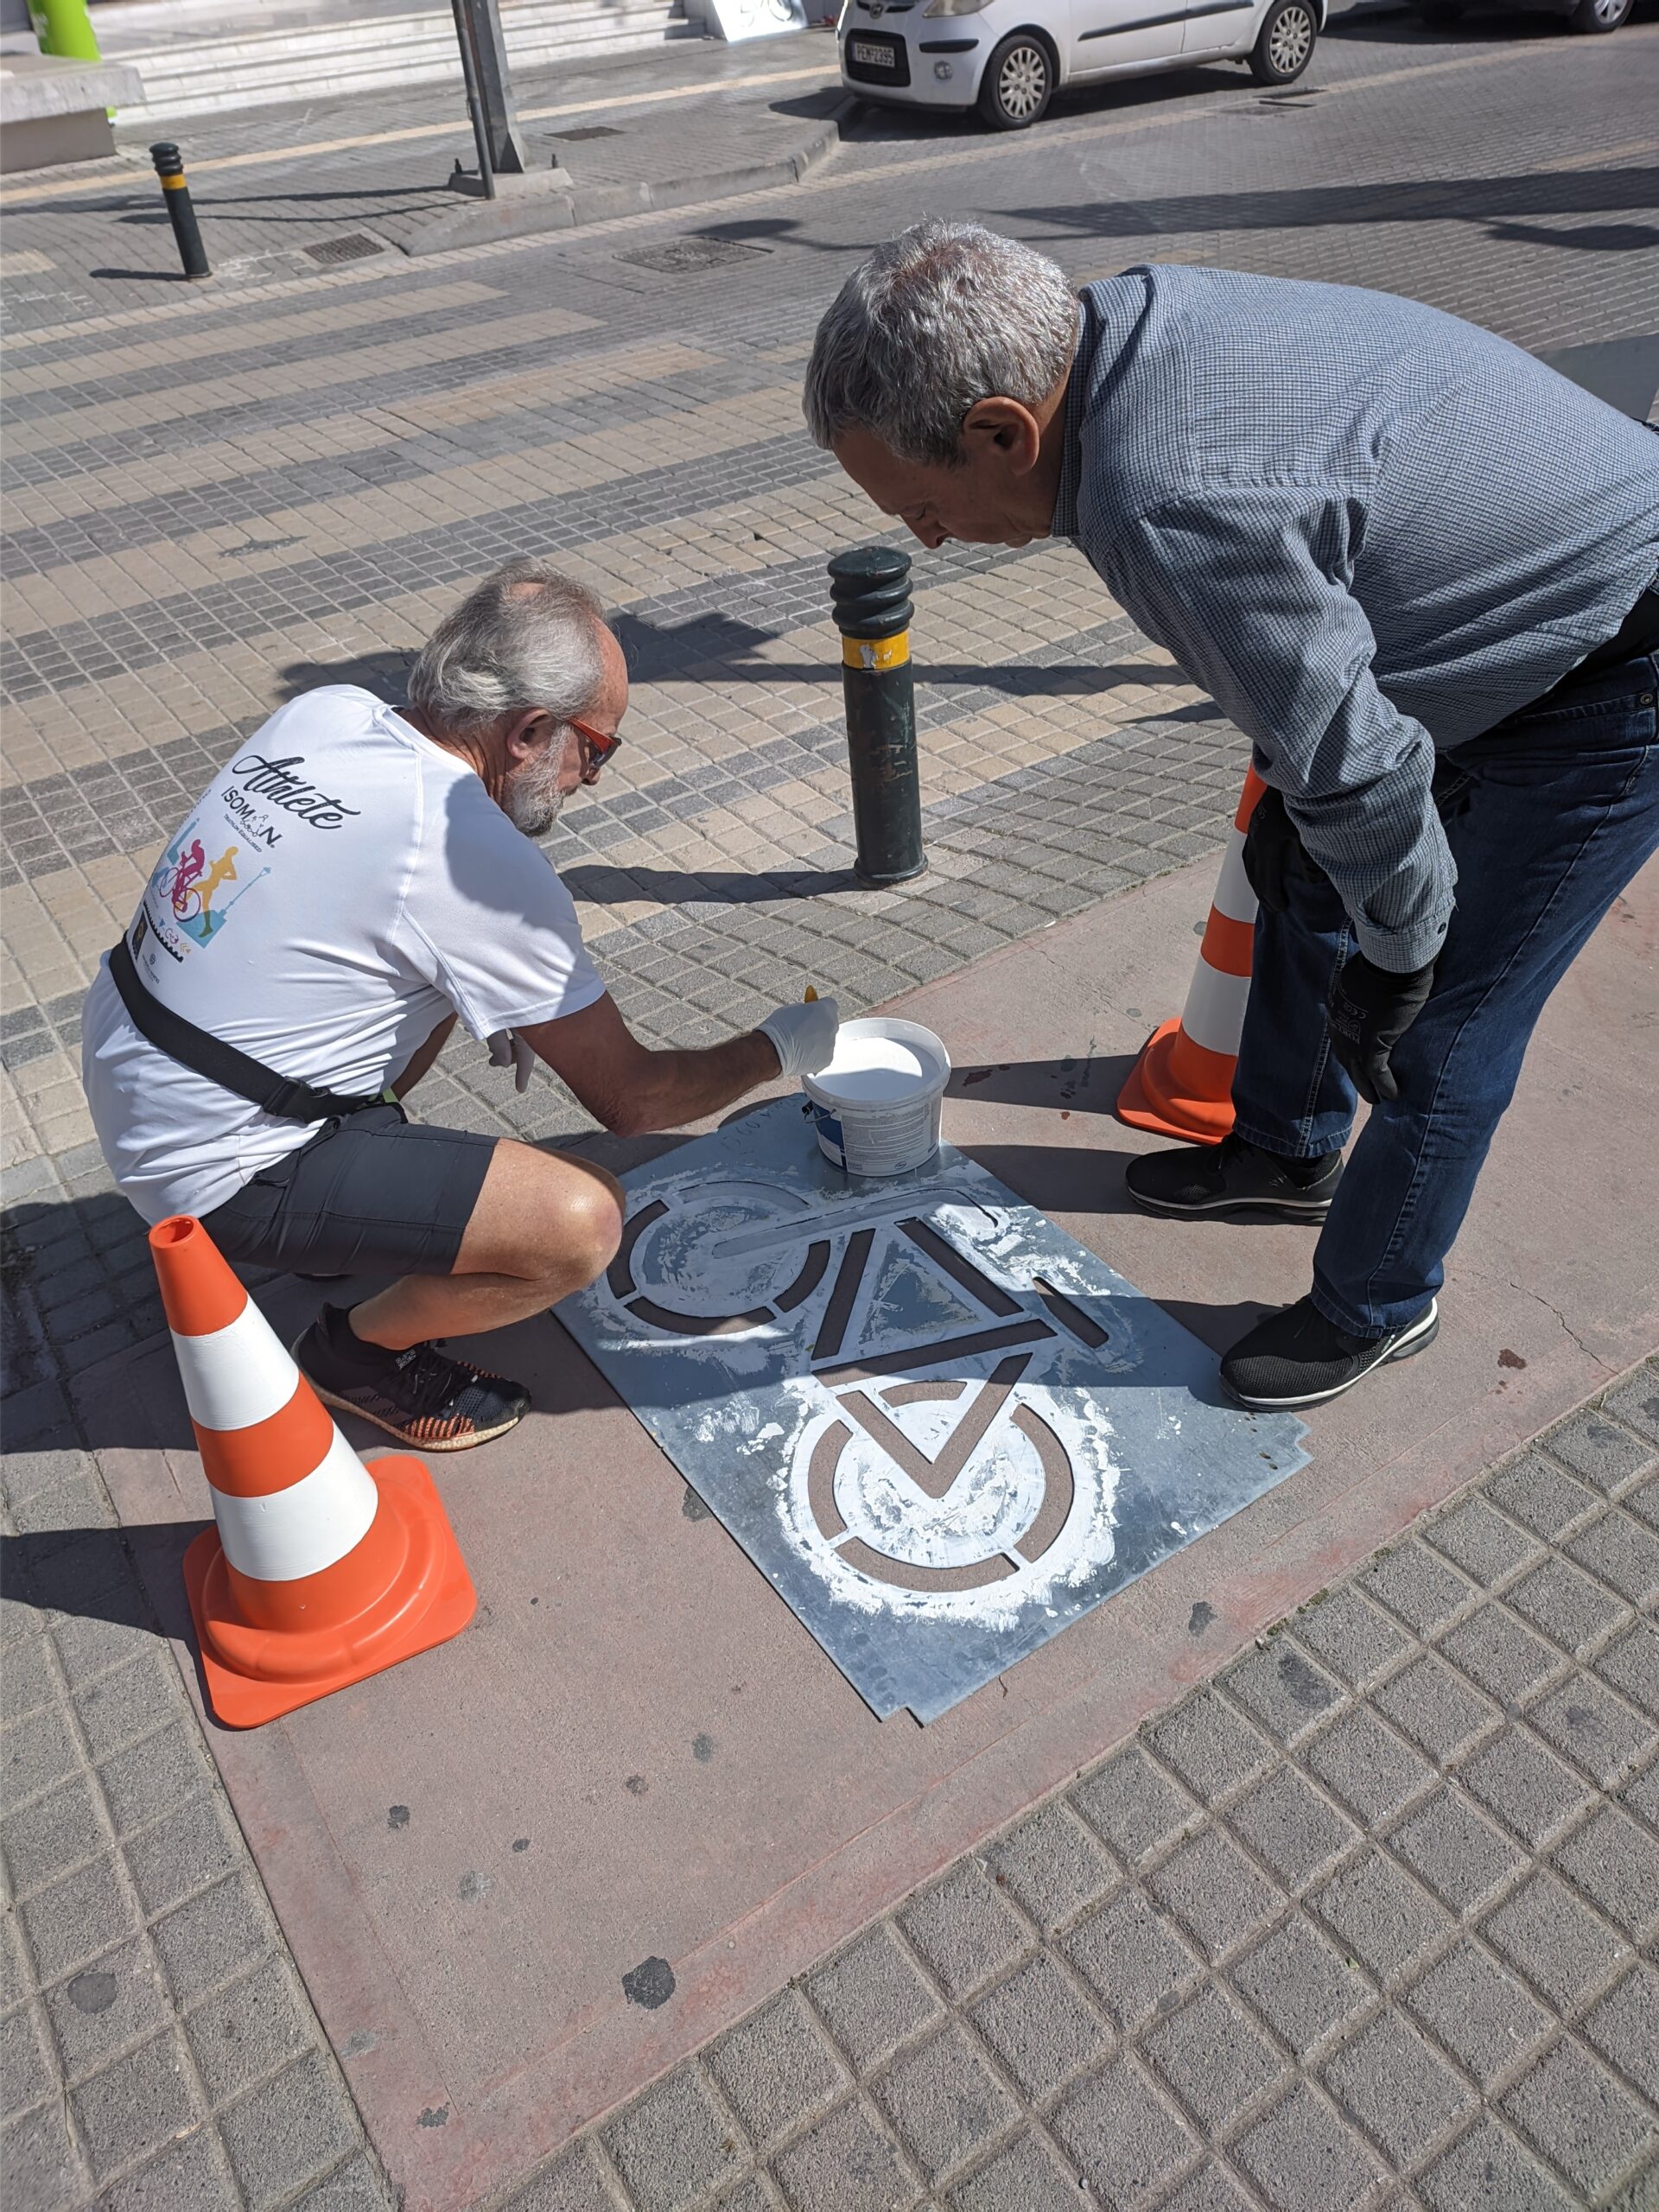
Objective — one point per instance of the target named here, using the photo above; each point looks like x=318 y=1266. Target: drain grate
x=589 y=130
x=356 y=246
x=679 y=256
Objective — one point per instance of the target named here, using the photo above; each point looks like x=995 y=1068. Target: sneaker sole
x=1421 y=1333
x=411 y=1443
x=1303 y=1210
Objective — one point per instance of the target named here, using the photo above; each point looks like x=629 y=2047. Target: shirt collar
x=1065 y=523
x=1108 y=316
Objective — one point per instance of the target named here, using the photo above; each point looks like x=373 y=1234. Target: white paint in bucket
x=876 y=1107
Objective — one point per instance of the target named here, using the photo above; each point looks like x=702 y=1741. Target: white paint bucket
x=876 y=1106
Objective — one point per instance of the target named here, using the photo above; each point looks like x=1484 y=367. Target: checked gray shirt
x=1367 y=529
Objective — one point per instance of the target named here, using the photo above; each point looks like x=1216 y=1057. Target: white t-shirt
x=341 y=886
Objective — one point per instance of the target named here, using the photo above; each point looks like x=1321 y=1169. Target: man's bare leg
x=545 y=1225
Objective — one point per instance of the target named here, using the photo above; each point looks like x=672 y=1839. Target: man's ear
x=527 y=734
x=1006 y=428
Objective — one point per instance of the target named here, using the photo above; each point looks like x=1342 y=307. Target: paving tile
x=1209 y=2189
x=1119 y=2135
x=846 y=2165
x=1533 y=1792
x=1599 y=1450
x=1214 y=2059
x=188 y=1849
x=25 y=2077
x=1572 y=2109
x=1625 y=2028
x=1052 y=1865
x=289 y=2132
x=1300 y=1986
x=42 y=2172
x=1479 y=2011
x=1130 y=1955
x=1631 y=1665
x=1456 y=1851
x=1570 y=1608
x=944 y=2103
x=964 y=1930
x=1541 y=1494
x=1303 y=2158
x=192 y=2175
x=1214 y=1892
x=1027 y=2176
x=1433 y=1705
x=1596 y=1729
x=1380 y=1915
x=1488 y=2170
x=571 y=2184
x=106 y=2007
x=1133 y=1804
x=1356 y=1639
x=1040 y=2029
x=1283 y=1689
x=1421 y=1590
x=776 y=2070
x=37 y=1753
x=1508 y=1661
x=142 y=1783
x=1637 y=1404
x=211 y=1937
x=76 y=1918
x=134 y=2104
x=1398 y=2087
x=1290 y=1825
x=249 y=2030
x=1617 y=1865
x=871 y=1999
x=43 y=1840
x=671 y=2145
x=1622 y=1553
x=1214 y=1752
x=1556 y=1940
x=1488 y=1547
x=1374 y=1772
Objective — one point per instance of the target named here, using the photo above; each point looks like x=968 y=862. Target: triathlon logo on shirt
x=186 y=887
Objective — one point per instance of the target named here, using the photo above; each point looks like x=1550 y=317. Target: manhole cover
x=588 y=130
x=679 y=256
x=356 y=246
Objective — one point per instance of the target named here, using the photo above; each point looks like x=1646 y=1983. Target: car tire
x=1599 y=17
x=1442 y=15
x=1285 y=46
x=1018 y=84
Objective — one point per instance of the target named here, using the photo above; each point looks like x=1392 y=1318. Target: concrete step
x=313 y=60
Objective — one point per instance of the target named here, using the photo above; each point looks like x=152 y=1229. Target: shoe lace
x=428 y=1380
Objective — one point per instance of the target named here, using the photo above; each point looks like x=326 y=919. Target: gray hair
x=938 y=319
x=528 y=637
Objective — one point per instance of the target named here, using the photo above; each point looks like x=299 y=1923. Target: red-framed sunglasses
x=599 y=743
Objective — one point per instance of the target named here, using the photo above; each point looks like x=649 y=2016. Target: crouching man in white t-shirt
x=355 y=881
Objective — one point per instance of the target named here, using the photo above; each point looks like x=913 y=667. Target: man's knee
x=593 y=1213
x=543 y=1216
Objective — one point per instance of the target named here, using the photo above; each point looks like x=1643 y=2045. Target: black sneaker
x=1232 y=1179
x=1298 y=1358
x=420 y=1396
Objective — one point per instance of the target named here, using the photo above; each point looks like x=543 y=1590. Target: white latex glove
x=803 y=1037
x=509 y=1050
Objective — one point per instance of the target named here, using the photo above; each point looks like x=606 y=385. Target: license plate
x=879 y=57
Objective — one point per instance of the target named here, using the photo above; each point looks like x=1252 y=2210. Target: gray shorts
x=373 y=1194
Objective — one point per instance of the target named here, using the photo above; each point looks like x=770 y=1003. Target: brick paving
x=219 y=496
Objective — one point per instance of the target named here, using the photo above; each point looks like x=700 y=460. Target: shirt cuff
x=1402 y=952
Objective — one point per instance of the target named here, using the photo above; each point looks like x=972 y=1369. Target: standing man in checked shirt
x=1417 y=568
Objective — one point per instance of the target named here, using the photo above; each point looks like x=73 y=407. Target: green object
x=63 y=26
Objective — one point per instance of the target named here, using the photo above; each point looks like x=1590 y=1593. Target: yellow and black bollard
x=187 y=233
x=870 y=593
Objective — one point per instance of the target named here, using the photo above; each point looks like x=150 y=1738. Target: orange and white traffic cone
x=1182 y=1084
x=319 y=1571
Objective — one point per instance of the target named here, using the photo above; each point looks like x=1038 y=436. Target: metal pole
x=870 y=593
x=187 y=232
x=507 y=155
x=475 y=101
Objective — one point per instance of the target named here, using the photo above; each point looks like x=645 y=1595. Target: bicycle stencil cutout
x=941 y=1427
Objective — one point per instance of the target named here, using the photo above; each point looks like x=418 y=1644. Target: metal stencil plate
x=939 y=1427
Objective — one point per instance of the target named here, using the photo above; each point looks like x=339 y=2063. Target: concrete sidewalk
x=481 y=1859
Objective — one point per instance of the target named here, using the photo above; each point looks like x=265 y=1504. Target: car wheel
x=1285 y=46
x=1601 y=15
x=1019 y=83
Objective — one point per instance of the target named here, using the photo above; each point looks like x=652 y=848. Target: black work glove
x=1369 y=1011
x=1274 y=853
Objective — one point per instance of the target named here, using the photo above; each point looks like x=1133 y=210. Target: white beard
x=532 y=799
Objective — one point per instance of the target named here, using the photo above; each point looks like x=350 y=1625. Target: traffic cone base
x=415 y=1592
x=1179 y=1089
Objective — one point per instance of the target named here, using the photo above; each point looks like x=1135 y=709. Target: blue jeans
x=1548 y=817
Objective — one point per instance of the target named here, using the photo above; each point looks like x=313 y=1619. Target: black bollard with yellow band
x=870 y=592
x=186 y=233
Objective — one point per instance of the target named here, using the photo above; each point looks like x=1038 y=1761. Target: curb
x=478 y=222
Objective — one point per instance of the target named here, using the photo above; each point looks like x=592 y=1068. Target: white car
x=1009 y=57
